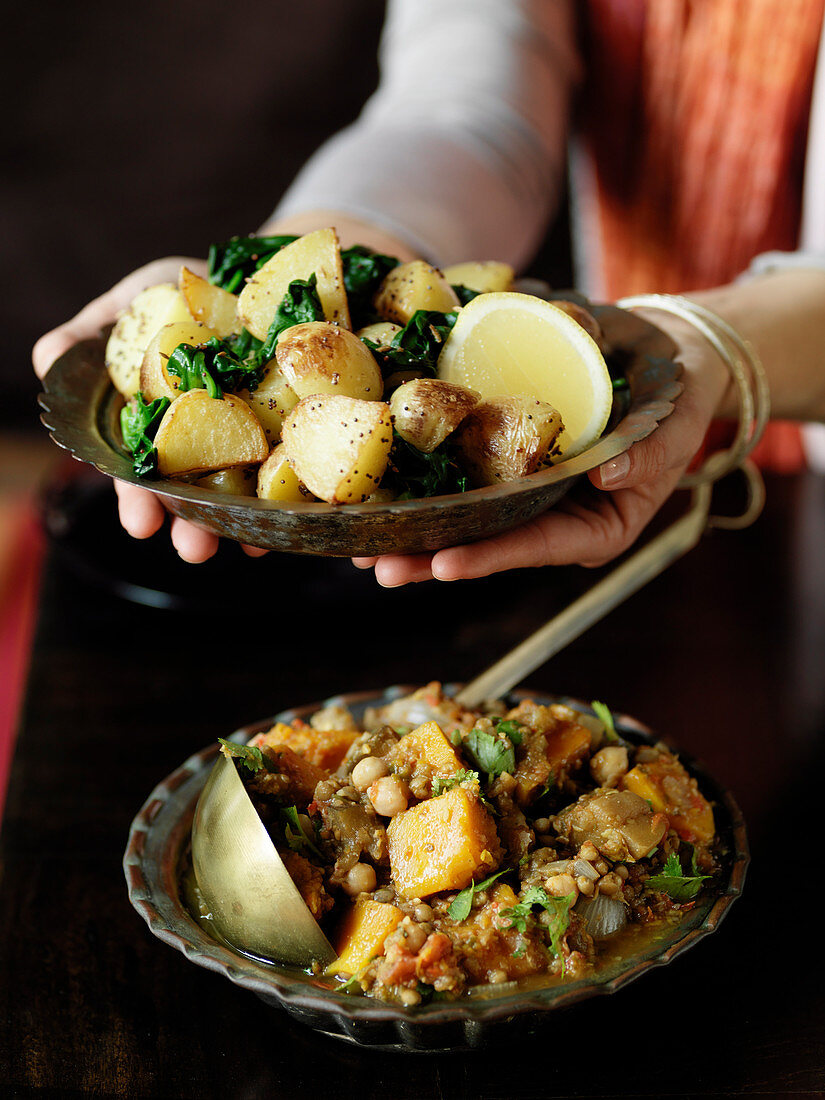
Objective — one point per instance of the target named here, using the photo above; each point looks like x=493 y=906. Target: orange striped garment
x=695 y=122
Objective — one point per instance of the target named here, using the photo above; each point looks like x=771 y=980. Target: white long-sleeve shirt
x=462 y=150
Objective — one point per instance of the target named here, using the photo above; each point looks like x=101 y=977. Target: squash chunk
x=361 y=935
x=669 y=789
x=421 y=755
x=323 y=748
x=566 y=746
x=442 y=844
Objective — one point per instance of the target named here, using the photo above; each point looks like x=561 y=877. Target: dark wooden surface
x=724 y=654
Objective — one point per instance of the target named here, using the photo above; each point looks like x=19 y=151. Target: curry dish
x=449 y=852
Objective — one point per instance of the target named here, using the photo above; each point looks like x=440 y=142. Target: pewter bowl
x=158 y=849
x=81 y=409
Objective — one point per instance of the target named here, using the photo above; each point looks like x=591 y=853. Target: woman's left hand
x=596 y=523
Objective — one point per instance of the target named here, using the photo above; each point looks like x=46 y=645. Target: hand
x=141 y=513
x=597 y=523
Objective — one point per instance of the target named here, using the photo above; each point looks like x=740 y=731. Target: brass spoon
x=250 y=894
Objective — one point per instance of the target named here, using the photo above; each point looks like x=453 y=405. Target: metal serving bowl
x=81 y=409
x=157 y=852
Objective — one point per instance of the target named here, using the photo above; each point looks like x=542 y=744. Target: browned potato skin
x=426 y=410
x=583 y=317
x=506 y=438
x=319 y=357
x=413 y=286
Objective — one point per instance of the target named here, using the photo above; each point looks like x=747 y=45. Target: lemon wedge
x=515 y=344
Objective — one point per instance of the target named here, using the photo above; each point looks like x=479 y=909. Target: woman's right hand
x=141 y=513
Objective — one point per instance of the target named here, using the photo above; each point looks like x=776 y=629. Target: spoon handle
x=622 y=582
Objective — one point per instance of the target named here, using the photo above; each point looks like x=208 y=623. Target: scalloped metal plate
x=81 y=409
x=159 y=838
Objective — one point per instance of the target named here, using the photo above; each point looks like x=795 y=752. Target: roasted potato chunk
x=316 y=253
x=339 y=446
x=200 y=433
x=238 y=481
x=412 y=286
x=136 y=326
x=211 y=305
x=272 y=400
x=506 y=438
x=426 y=410
x=277 y=480
x=381 y=333
x=155 y=380
x=317 y=357
x=481 y=275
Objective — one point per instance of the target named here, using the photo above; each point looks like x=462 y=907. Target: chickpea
x=387 y=796
x=610 y=885
x=360 y=879
x=409 y=997
x=589 y=851
x=366 y=771
x=559 y=886
x=609 y=765
x=585 y=886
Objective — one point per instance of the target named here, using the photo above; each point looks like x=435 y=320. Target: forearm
x=461 y=151
x=350 y=231
x=782 y=315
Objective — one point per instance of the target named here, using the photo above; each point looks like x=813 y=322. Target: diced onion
x=602 y=915
x=585 y=869
x=557 y=867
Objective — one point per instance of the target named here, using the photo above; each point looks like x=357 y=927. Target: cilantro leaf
x=249 y=755
x=462 y=904
x=139 y=422
x=232 y=262
x=674 y=882
x=558 y=909
x=446 y=783
x=606 y=718
x=493 y=755
x=296 y=838
x=511 y=728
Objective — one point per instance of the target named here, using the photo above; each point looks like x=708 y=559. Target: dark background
x=139 y=131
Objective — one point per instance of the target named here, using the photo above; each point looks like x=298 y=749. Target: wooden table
x=724 y=654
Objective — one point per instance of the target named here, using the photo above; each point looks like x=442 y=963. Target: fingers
x=253 y=551
x=141 y=513
x=192 y=543
x=103 y=310
x=393 y=570
x=364 y=563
